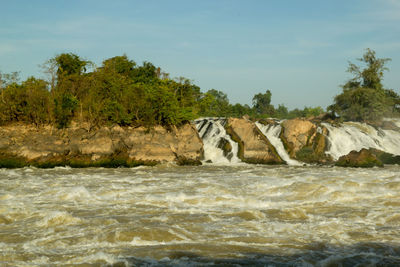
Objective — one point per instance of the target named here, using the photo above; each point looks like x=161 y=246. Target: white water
x=355 y=136
x=246 y=215
x=272 y=132
x=212 y=131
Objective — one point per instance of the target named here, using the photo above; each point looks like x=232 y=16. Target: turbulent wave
x=240 y=215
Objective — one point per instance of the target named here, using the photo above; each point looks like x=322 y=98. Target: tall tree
x=262 y=103
x=363 y=97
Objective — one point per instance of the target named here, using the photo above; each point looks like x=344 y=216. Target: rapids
x=272 y=132
x=355 y=136
x=235 y=215
x=212 y=132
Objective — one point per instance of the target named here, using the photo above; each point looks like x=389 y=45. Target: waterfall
x=355 y=136
x=272 y=132
x=219 y=148
x=214 y=136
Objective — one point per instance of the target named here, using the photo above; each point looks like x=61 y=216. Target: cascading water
x=213 y=134
x=272 y=132
x=355 y=136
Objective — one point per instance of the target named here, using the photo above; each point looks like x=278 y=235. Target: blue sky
x=297 y=49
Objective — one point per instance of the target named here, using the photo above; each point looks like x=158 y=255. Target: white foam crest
x=356 y=136
x=191 y=208
x=77 y=193
x=57 y=218
x=272 y=132
x=99 y=256
x=212 y=132
x=137 y=241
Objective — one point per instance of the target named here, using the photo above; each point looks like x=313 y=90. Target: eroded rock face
x=25 y=144
x=305 y=141
x=161 y=145
x=296 y=134
x=384 y=157
x=363 y=158
x=32 y=143
x=254 y=147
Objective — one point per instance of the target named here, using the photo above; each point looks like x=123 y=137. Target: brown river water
x=235 y=215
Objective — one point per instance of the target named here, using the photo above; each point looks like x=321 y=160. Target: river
x=237 y=215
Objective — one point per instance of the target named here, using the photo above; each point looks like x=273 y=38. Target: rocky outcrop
x=226 y=148
x=296 y=134
x=254 y=147
x=305 y=141
x=384 y=157
x=363 y=158
x=22 y=145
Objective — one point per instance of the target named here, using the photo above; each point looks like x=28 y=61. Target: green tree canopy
x=68 y=64
x=119 y=64
x=262 y=103
x=363 y=97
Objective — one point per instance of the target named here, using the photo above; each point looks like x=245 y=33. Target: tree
x=363 y=97
x=68 y=64
x=239 y=110
x=214 y=103
x=120 y=64
x=26 y=102
x=281 y=112
x=262 y=103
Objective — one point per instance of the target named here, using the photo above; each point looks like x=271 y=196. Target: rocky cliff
x=22 y=145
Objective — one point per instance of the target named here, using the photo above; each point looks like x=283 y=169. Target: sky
x=299 y=50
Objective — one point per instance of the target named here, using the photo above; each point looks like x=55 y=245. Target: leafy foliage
x=262 y=103
x=120 y=92
x=26 y=102
x=363 y=97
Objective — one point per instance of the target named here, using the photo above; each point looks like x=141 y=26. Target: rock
x=363 y=158
x=187 y=143
x=305 y=141
x=160 y=145
x=226 y=148
x=296 y=134
x=384 y=157
x=254 y=147
x=97 y=144
x=314 y=151
x=22 y=145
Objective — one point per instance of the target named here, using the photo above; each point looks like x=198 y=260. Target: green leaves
x=26 y=102
x=262 y=103
x=64 y=110
x=363 y=97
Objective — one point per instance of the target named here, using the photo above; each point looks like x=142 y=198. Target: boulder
x=384 y=157
x=305 y=141
x=363 y=158
x=296 y=134
x=226 y=147
x=254 y=147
